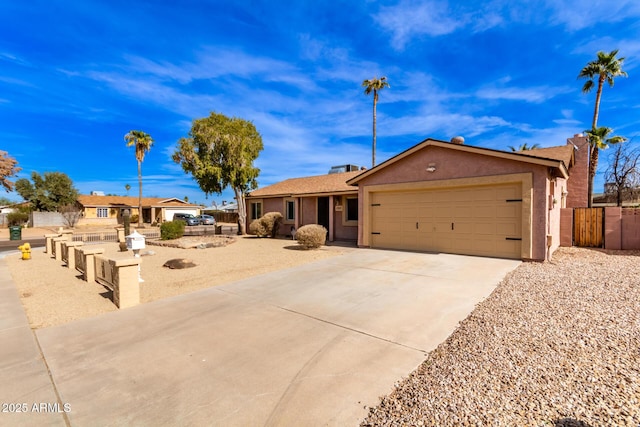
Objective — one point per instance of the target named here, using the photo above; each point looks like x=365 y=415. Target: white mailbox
x=135 y=241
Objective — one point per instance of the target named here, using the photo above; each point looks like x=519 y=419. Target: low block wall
x=85 y=262
x=121 y=276
x=68 y=253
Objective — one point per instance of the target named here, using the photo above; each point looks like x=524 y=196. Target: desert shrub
x=311 y=236
x=172 y=230
x=134 y=218
x=256 y=228
x=267 y=225
x=17 y=218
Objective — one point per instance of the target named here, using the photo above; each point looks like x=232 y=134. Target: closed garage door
x=483 y=220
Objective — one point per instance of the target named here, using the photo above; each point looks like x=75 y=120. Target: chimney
x=457 y=140
x=578 y=182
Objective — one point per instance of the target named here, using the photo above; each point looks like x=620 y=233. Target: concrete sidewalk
x=25 y=377
x=311 y=345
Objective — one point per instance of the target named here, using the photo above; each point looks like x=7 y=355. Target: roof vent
x=457 y=140
x=343 y=168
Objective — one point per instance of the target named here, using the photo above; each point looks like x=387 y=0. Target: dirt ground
x=52 y=294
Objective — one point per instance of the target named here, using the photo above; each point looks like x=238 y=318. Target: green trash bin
x=15 y=232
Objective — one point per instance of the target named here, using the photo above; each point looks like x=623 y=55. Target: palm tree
x=143 y=142
x=599 y=139
x=374 y=85
x=127 y=187
x=604 y=69
x=525 y=147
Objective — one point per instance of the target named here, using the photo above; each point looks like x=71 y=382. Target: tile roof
x=86 y=200
x=563 y=153
x=319 y=184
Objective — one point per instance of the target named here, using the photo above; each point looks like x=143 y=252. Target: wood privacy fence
x=588 y=227
x=229 y=217
x=609 y=228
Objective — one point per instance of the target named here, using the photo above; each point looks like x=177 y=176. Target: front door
x=323 y=212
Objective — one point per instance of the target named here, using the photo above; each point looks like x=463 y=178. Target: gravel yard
x=52 y=294
x=556 y=344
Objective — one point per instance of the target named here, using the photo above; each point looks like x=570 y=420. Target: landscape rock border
x=197 y=242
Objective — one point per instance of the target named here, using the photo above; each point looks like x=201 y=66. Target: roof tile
x=329 y=183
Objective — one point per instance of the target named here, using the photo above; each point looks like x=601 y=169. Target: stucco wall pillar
x=566 y=227
x=613 y=228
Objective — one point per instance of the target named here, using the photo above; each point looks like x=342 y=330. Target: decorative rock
x=179 y=263
x=556 y=343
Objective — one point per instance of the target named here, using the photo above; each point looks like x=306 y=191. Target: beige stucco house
x=108 y=210
x=441 y=196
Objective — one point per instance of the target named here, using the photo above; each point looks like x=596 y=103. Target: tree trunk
x=619 y=197
x=140 y=194
x=596 y=110
x=593 y=165
x=593 y=158
x=242 y=211
x=373 y=151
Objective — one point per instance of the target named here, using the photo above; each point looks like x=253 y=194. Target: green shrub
x=172 y=230
x=267 y=225
x=18 y=218
x=311 y=236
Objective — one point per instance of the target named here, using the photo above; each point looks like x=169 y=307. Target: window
x=256 y=210
x=352 y=209
x=103 y=212
x=289 y=210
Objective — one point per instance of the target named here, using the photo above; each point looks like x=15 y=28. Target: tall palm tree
x=599 y=139
x=605 y=69
x=143 y=142
x=374 y=85
x=525 y=147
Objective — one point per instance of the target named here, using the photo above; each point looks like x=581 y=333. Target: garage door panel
x=507 y=230
x=483 y=218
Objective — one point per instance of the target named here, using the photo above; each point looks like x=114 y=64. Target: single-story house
x=323 y=199
x=109 y=209
x=440 y=196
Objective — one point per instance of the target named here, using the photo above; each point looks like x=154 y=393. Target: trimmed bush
x=172 y=230
x=311 y=236
x=256 y=228
x=267 y=225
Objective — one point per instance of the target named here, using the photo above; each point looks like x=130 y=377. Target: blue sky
x=77 y=76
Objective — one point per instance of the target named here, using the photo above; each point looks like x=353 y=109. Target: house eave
x=465 y=148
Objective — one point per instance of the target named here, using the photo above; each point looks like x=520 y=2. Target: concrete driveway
x=312 y=345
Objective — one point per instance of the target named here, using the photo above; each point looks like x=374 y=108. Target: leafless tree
x=622 y=177
x=71 y=215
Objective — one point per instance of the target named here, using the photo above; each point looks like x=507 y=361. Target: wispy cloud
x=534 y=94
x=409 y=19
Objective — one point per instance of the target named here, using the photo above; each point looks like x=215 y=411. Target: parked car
x=206 y=220
x=190 y=219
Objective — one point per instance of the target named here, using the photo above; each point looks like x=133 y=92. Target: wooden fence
x=228 y=217
x=588 y=227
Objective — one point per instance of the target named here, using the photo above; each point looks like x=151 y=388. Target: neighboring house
x=228 y=207
x=324 y=199
x=630 y=197
x=109 y=209
x=448 y=197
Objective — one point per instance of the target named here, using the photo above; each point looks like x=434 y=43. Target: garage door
x=483 y=220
